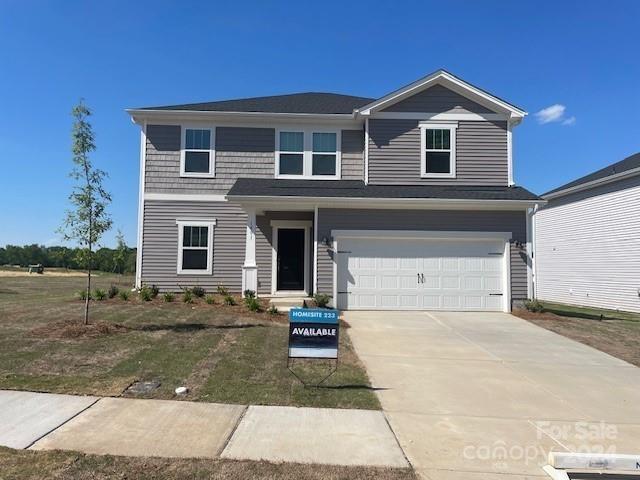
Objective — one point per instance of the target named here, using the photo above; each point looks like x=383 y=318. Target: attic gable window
x=438 y=150
x=197 y=155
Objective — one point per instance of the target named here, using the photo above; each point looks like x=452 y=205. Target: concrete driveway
x=488 y=395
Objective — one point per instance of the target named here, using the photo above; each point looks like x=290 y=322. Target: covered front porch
x=279 y=252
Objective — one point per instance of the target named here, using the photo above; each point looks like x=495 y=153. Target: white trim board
x=446 y=116
x=141 y=199
x=184 y=197
x=594 y=183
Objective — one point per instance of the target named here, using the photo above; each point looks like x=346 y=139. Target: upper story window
x=197 y=155
x=438 y=150
x=307 y=153
x=325 y=154
x=195 y=246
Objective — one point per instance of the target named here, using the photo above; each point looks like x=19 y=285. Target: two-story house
x=402 y=202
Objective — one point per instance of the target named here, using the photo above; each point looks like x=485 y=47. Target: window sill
x=194 y=272
x=437 y=175
x=309 y=177
x=197 y=175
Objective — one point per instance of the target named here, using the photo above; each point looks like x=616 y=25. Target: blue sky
x=581 y=55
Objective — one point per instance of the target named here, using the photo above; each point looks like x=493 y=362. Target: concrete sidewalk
x=166 y=428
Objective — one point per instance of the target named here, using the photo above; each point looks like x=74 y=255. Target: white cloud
x=554 y=113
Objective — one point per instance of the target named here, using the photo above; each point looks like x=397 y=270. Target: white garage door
x=415 y=274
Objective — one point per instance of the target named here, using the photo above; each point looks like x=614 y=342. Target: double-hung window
x=197 y=155
x=195 y=246
x=325 y=154
x=308 y=153
x=438 y=150
x=291 y=153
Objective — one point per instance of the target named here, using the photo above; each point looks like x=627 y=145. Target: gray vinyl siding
x=160 y=244
x=437 y=99
x=352 y=154
x=426 y=220
x=264 y=245
x=587 y=247
x=240 y=152
x=481 y=153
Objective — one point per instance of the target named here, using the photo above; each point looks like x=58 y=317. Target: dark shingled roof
x=311 y=102
x=628 y=163
x=263 y=187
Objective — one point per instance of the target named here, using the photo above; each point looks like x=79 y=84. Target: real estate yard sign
x=313 y=333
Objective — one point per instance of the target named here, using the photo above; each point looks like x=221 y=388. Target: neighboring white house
x=587 y=240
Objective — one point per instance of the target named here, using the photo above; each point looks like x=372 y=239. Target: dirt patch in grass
x=32 y=465
x=70 y=329
x=619 y=338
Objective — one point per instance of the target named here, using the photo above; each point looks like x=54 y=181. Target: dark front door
x=290 y=259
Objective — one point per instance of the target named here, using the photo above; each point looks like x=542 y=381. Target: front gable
x=442 y=92
x=438 y=99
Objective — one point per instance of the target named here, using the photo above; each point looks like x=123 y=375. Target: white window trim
x=212 y=151
x=423 y=149
x=307 y=154
x=196 y=223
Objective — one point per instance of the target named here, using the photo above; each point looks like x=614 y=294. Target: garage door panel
x=421 y=274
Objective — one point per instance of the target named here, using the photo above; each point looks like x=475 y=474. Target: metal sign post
x=313 y=334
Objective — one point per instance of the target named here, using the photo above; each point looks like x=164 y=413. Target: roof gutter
x=363 y=202
x=139 y=115
x=594 y=183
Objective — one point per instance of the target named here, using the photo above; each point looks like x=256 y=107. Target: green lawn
x=223 y=354
x=32 y=465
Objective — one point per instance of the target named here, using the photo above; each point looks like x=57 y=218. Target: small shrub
x=187 y=296
x=113 y=291
x=322 y=300
x=168 y=297
x=222 y=290
x=252 y=304
x=210 y=300
x=154 y=291
x=249 y=294
x=533 y=306
x=229 y=300
x=82 y=295
x=124 y=295
x=146 y=295
x=198 y=291
x=99 y=294
x=273 y=310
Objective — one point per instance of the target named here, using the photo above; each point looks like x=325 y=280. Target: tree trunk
x=86 y=303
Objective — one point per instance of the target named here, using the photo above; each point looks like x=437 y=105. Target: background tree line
x=121 y=259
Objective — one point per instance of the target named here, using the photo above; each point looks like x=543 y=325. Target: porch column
x=250 y=269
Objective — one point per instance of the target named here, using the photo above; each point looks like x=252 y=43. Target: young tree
x=89 y=219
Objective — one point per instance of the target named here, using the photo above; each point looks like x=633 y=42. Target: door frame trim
x=430 y=235
x=297 y=225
